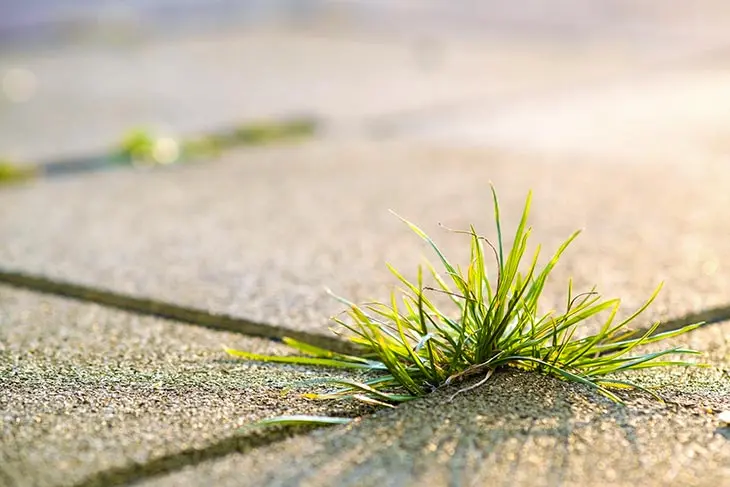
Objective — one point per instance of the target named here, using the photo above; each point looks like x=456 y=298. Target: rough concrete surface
x=518 y=429
x=614 y=113
x=260 y=233
x=92 y=396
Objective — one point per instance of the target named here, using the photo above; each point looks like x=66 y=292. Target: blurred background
x=83 y=79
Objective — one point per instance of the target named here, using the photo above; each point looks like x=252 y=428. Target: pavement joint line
x=207 y=319
x=136 y=472
x=137 y=148
x=170 y=311
x=388 y=124
x=241 y=441
x=707 y=316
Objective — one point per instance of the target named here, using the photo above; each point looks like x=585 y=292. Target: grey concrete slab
x=96 y=396
x=69 y=99
x=517 y=429
x=628 y=120
x=261 y=233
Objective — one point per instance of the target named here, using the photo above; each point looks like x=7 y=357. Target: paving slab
x=629 y=120
x=92 y=396
x=381 y=62
x=259 y=234
x=102 y=390
x=200 y=83
x=518 y=429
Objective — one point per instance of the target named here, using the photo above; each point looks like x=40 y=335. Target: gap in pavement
x=200 y=317
x=238 y=443
x=151 y=307
x=386 y=125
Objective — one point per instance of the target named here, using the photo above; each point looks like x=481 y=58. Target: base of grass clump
x=410 y=347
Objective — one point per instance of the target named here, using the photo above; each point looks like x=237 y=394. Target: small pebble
x=724 y=418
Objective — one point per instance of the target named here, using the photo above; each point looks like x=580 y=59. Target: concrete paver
x=347 y=63
x=87 y=390
x=217 y=79
x=102 y=389
x=261 y=233
x=96 y=396
x=518 y=429
x=629 y=121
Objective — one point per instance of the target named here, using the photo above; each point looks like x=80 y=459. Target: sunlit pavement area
x=118 y=288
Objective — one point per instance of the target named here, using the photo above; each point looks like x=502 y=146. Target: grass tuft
x=410 y=347
x=11 y=172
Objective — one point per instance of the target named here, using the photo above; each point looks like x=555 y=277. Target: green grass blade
x=410 y=348
x=320 y=352
x=642 y=361
x=565 y=375
x=303 y=420
x=639 y=311
x=297 y=360
x=449 y=268
x=630 y=385
x=415 y=358
x=352 y=385
x=603 y=349
x=498 y=222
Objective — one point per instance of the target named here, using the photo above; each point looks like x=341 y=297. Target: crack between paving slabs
x=376 y=126
x=242 y=443
x=134 y=473
x=199 y=317
x=137 y=472
x=160 y=309
x=238 y=443
x=138 y=147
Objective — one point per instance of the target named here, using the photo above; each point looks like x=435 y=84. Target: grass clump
x=141 y=146
x=410 y=347
x=11 y=172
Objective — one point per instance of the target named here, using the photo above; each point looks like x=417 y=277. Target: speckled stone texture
x=619 y=125
x=88 y=390
x=522 y=430
x=107 y=397
x=91 y=396
x=260 y=233
x=518 y=429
